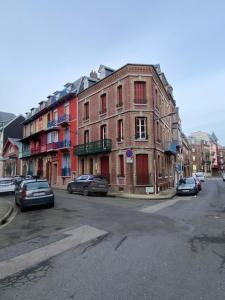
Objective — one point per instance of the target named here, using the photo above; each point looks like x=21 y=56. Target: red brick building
x=124 y=113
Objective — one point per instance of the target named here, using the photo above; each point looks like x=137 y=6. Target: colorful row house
x=125 y=129
x=50 y=133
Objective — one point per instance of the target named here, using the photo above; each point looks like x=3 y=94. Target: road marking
x=154 y=208
x=77 y=237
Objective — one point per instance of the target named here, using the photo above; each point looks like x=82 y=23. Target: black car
x=87 y=184
x=33 y=192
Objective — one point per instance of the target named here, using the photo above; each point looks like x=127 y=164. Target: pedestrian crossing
x=74 y=238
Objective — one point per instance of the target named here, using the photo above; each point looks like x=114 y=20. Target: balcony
x=170 y=148
x=96 y=147
x=63 y=119
x=52 y=146
x=66 y=172
x=64 y=144
x=35 y=150
x=25 y=153
x=52 y=125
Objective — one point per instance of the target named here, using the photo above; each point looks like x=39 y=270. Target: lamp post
x=154 y=152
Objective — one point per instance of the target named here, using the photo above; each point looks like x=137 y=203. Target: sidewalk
x=6 y=208
x=164 y=195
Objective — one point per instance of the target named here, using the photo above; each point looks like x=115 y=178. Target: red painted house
x=50 y=133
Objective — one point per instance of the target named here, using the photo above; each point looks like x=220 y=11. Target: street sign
x=129 y=160
x=129 y=153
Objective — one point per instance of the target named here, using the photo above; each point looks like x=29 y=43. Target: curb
x=142 y=198
x=112 y=195
x=6 y=216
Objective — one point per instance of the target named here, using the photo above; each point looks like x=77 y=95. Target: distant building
x=11 y=161
x=10 y=128
x=205 y=155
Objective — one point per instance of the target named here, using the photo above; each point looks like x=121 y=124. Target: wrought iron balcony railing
x=99 y=146
x=25 y=153
x=52 y=124
x=64 y=144
x=63 y=119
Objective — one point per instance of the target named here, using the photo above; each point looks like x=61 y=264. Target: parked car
x=87 y=184
x=7 y=185
x=223 y=176
x=200 y=176
x=33 y=192
x=187 y=186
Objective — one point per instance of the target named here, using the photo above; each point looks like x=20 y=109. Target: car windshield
x=36 y=185
x=82 y=177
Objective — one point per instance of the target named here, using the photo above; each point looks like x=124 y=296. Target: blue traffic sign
x=129 y=153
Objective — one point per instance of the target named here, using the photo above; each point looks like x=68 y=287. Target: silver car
x=7 y=185
x=87 y=184
x=34 y=193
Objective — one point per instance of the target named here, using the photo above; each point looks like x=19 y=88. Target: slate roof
x=6 y=117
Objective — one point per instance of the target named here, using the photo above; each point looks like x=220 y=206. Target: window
x=103 y=132
x=121 y=165
x=66 y=109
x=119 y=96
x=86 y=136
x=103 y=104
x=55 y=115
x=52 y=137
x=159 y=132
x=140 y=92
x=141 y=128
x=86 y=111
x=120 y=131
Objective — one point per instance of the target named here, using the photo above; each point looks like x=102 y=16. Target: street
x=133 y=249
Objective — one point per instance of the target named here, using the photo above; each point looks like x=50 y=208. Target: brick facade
x=144 y=131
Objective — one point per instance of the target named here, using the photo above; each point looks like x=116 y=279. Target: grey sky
x=45 y=44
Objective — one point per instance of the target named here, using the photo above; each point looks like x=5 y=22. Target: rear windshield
x=186 y=181
x=37 y=185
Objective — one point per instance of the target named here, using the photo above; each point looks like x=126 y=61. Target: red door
x=105 y=167
x=142 y=169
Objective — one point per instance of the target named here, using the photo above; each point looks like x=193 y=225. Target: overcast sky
x=45 y=44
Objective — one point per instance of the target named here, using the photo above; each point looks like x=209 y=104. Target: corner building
x=131 y=108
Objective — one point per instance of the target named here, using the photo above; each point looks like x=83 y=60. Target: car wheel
x=22 y=208
x=85 y=191
x=104 y=194
x=51 y=205
x=16 y=202
x=69 y=189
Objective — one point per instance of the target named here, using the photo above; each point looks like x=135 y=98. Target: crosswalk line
x=154 y=208
x=76 y=237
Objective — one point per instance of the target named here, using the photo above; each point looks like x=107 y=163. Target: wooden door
x=105 y=167
x=142 y=169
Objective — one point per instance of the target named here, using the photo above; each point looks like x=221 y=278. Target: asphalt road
x=177 y=252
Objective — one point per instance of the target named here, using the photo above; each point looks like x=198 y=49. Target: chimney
x=93 y=74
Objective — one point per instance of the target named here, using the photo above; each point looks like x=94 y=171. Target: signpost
x=129 y=155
